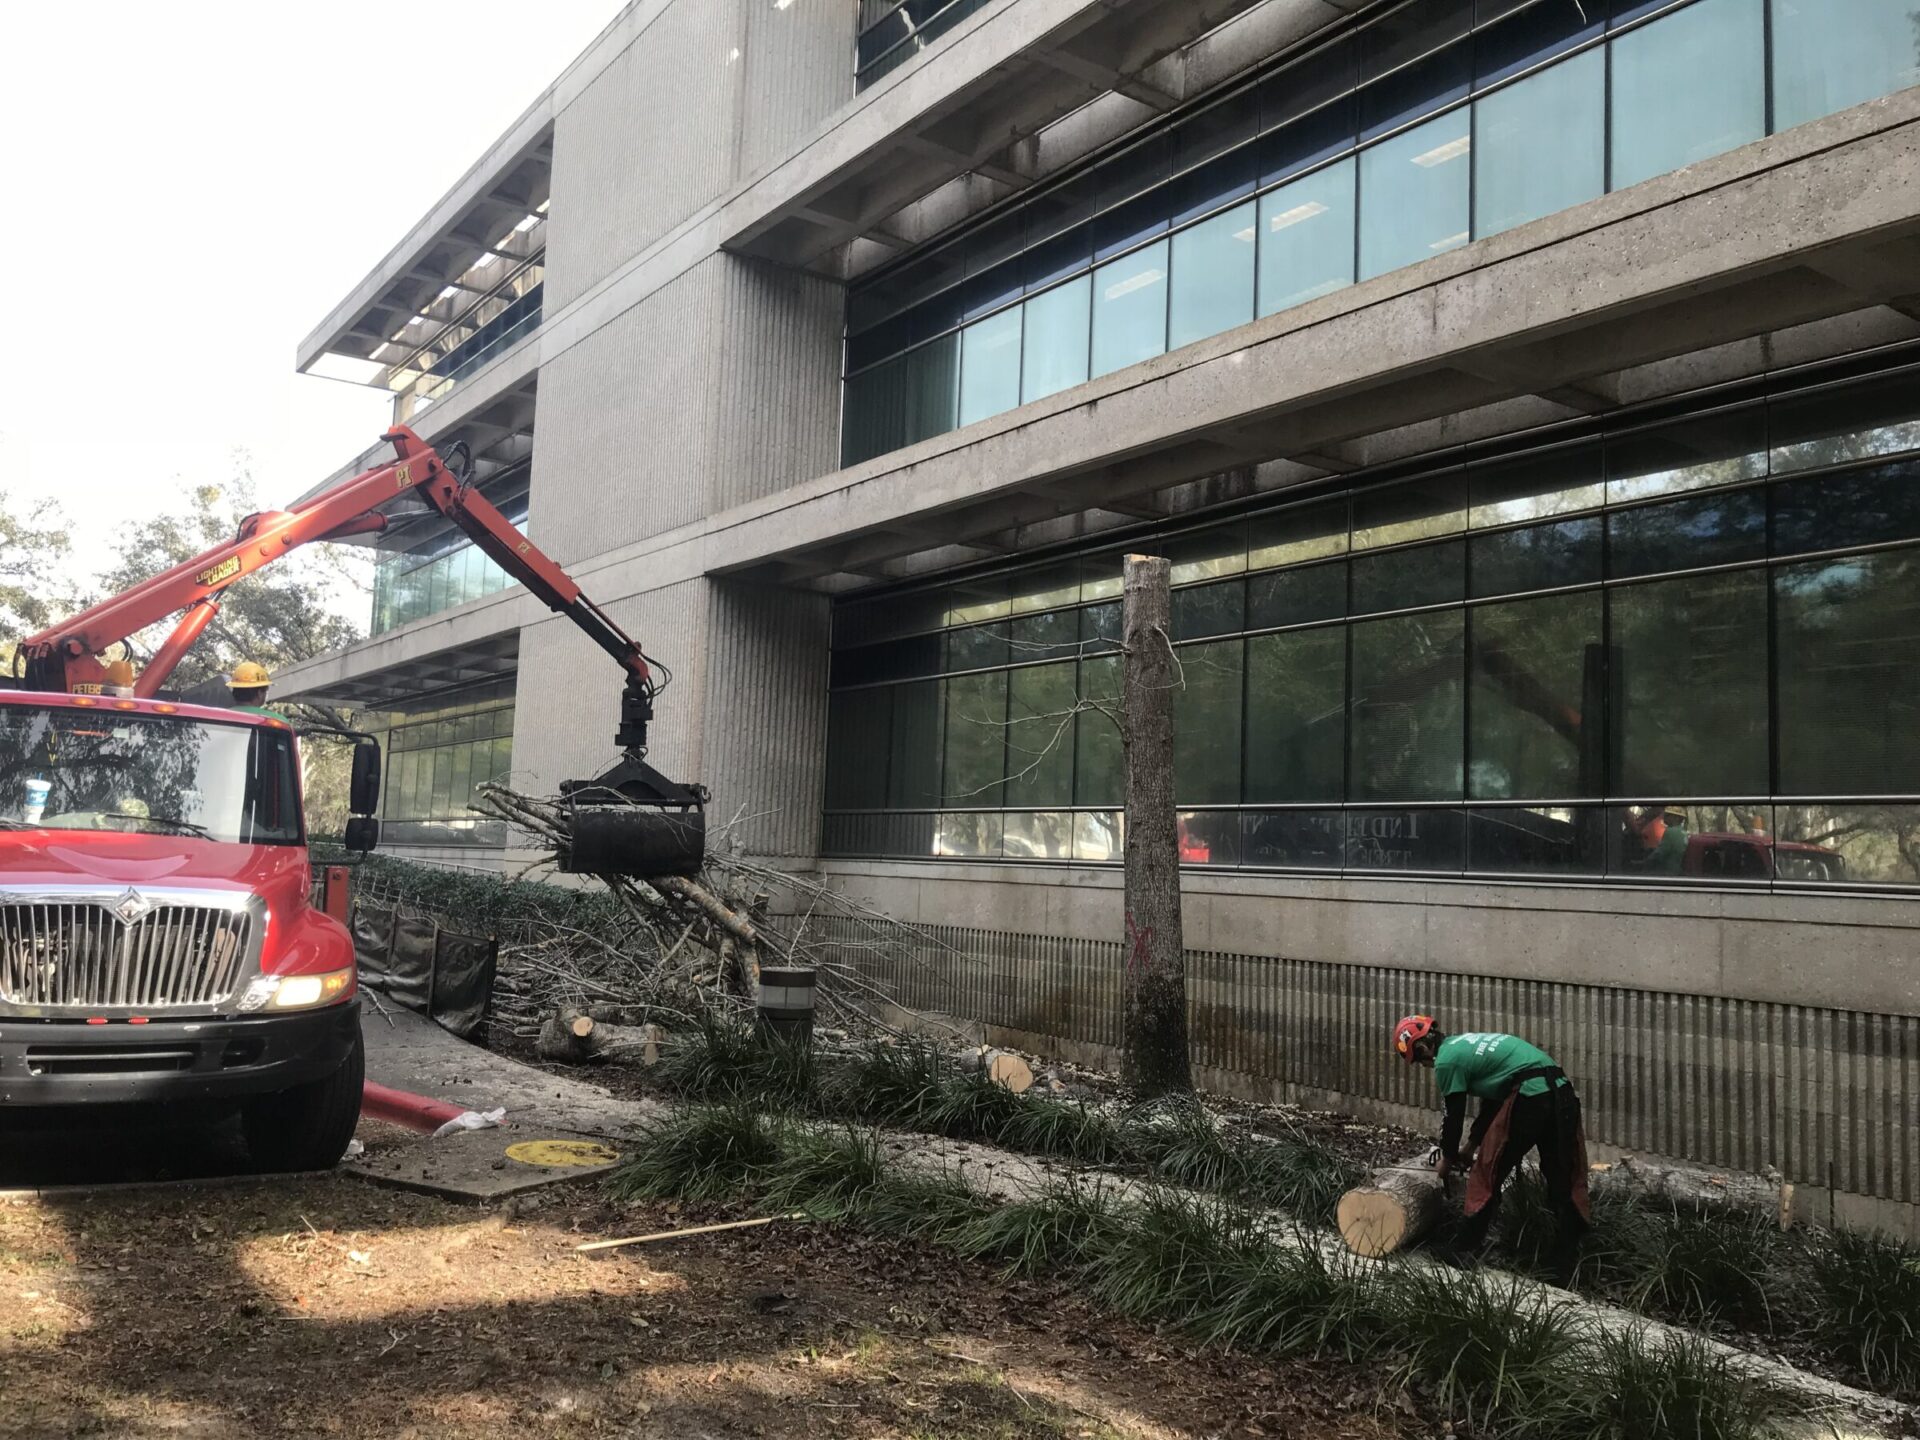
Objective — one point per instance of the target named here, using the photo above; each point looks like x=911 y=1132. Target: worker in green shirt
x=1526 y=1103
x=248 y=687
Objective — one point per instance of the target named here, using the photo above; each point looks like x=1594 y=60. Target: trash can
x=786 y=1003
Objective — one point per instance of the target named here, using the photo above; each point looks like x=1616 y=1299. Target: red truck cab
x=157 y=939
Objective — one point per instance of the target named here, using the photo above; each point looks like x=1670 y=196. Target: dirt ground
x=330 y=1307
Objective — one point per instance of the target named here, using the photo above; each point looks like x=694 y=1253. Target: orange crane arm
x=66 y=655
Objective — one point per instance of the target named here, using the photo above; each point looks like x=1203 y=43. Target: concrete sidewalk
x=410 y=1052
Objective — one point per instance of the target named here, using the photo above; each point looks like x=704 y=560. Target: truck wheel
x=308 y=1127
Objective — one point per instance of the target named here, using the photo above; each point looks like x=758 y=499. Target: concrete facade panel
x=647 y=143
x=766 y=734
x=776 y=421
x=799 y=63
x=567 y=702
x=625 y=424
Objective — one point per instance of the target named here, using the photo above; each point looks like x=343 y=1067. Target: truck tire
x=307 y=1127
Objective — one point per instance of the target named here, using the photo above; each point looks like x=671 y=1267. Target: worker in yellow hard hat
x=248 y=687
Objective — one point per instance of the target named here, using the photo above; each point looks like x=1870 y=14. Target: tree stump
x=1400 y=1205
x=1004 y=1069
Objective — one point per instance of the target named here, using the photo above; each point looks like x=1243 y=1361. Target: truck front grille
x=69 y=955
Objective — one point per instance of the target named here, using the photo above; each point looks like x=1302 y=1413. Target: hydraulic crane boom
x=666 y=835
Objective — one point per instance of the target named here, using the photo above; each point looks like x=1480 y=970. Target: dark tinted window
x=1685 y=534
x=1297 y=597
x=1406 y=708
x=1537 y=704
x=1202 y=610
x=1401 y=579
x=1206 y=723
x=1296 y=715
x=1861 y=507
x=1539 y=557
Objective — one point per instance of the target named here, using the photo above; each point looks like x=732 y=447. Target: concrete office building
x=1527 y=393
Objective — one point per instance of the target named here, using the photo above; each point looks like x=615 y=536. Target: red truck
x=157 y=937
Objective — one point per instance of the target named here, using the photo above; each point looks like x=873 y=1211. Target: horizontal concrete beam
x=1737 y=246
x=1743 y=946
x=999 y=78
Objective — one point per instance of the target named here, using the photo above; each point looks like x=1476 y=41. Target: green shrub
x=1867 y=1289
x=729 y=1061
x=711 y=1153
x=1069 y=1224
x=1647 y=1385
x=832 y=1174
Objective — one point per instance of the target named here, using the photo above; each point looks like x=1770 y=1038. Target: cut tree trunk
x=1400 y=1205
x=1154 y=1060
x=1005 y=1069
x=573 y=1038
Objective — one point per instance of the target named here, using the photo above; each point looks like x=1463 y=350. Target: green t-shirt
x=1484 y=1064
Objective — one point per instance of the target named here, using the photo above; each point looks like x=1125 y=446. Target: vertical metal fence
x=1827 y=1097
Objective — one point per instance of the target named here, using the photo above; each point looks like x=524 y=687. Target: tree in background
x=287 y=612
x=36 y=586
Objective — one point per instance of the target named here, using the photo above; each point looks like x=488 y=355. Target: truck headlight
x=298 y=990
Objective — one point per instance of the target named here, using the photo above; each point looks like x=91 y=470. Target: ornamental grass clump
x=712 y=1153
x=1867 y=1289
x=1069 y=1224
x=725 y=1061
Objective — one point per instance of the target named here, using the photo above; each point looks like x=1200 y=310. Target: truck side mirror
x=363 y=833
x=363 y=793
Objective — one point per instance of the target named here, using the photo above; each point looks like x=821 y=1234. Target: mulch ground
x=329 y=1307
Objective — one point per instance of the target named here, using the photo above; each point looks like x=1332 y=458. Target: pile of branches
x=682 y=952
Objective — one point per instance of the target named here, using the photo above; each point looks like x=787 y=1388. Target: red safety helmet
x=1410 y=1031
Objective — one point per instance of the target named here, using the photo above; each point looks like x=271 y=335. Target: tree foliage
x=278 y=616
x=36 y=586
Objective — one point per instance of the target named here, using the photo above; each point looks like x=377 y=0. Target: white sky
x=191 y=187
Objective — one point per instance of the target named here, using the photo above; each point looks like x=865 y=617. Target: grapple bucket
x=612 y=836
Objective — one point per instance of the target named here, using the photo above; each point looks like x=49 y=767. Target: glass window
x=1829 y=54
x=1305 y=141
x=1052 y=636
x=1306 y=238
x=1415 y=510
x=859 y=723
x=1697 y=454
x=1536 y=33
x=977 y=646
x=1537 y=699
x=913 y=758
x=1129 y=211
x=1046 y=835
x=1690 y=686
x=1206 y=723
x=1406 y=708
x=1859 y=507
x=1099 y=768
x=1207 y=554
x=1861 y=422
x=1849 y=691
x=1212 y=276
x=1300 y=532
x=442 y=783
x=1538 y=557
x=1545 y=840
x=1044 y=587
x=1130 y=309
x=1540 y=144
x=1100 y=627
x=1687 y=534
x=1402 y=579
x=1689 y=85
x=1297 y=597
x=1040 y=724
x=1404 y=840
x=1851 y=844
x=1055 y=354
x=1413 y=194
x=976 y=749
x=1202 y=610
x=904 y=400
x=1214 y=156
x=1297 y=715
x=462 y=792
x=990 y=366
x=1534 y=487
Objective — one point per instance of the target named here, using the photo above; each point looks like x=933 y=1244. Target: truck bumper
x=49 y=1062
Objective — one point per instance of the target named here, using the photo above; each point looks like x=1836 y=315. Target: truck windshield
x=63 y=769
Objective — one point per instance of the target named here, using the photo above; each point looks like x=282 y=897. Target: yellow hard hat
x=248 y=675
x=120 y=672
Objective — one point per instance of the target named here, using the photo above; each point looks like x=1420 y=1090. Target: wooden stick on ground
x=1399 y=1206
x=691 y=1230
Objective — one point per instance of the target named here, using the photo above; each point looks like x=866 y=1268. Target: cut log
x=573 y=1038
x=1398 y=1207
x=1004 y=1069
